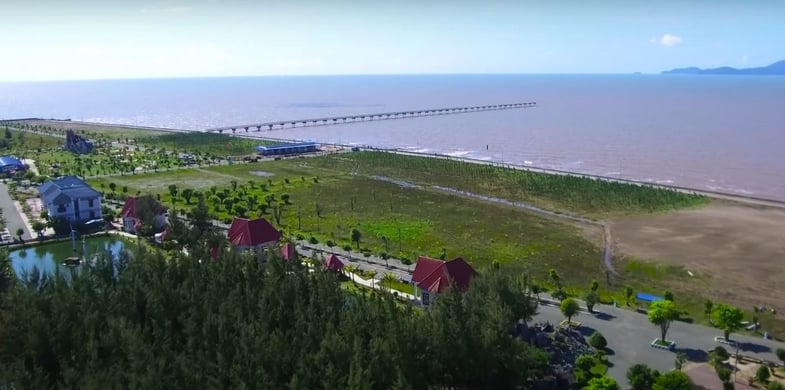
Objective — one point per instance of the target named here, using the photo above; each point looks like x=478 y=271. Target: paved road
x=630 y=334
x=370 y=263
x=13 y=220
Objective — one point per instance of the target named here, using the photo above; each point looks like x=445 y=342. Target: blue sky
x=59 y=40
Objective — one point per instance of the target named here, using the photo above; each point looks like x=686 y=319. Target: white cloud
x=669 y=40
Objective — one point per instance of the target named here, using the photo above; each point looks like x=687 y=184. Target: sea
x=718 y=133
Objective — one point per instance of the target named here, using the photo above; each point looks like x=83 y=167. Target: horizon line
x=333 y=75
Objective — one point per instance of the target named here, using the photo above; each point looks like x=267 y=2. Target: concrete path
x=630 y=334
x=13 y=218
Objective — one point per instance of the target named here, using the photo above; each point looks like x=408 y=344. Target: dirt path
x=607 y=256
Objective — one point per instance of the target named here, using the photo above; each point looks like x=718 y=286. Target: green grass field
x=427 y=220
x=555 y=192
x=203 y=143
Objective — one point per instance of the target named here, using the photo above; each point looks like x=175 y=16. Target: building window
x=90 y=203
x=92 y=214
x=61 y=209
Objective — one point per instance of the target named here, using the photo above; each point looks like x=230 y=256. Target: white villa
x=71 y=198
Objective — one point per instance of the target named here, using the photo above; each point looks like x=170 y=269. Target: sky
x=78 y=39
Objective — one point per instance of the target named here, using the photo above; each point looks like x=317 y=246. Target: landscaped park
x=403 y=207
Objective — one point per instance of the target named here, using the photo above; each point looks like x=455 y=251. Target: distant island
x=777 y=68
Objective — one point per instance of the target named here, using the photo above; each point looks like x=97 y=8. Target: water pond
x=48 y=257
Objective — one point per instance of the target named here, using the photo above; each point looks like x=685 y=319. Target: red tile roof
x=434 y=275
x=129 y=208
x=333 y=263
x=245 y=232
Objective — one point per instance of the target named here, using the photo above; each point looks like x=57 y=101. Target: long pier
x=337 y=120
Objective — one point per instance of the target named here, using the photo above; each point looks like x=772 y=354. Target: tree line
x=155 y=320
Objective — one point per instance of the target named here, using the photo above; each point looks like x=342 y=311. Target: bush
x=763 y=374
x=775 y=386
x=597 y=340
x=347 y=248
x=313 y=240
x=585 y=362
x=406 y=261
x=300 y=237
x=366 y=254
x=227 y=221
x=330 y=243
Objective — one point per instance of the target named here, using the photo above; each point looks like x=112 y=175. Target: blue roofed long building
x=10 y=165
x=71 y=198
x=284 y=149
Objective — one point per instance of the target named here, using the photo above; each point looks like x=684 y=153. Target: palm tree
x=388 y=278
x=351 y=269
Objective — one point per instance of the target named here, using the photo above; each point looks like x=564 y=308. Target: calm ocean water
x=709 y=132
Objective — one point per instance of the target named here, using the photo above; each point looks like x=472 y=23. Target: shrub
x=227 y=221
x=763 y=374
x=597 y=340
x=313 y=240
x=775 y=386
x=347 y=248
x=330 y=243
x=300 y=237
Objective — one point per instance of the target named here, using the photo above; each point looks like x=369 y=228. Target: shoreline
x=717 y=195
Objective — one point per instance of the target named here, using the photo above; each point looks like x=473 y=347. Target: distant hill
x=777 y=68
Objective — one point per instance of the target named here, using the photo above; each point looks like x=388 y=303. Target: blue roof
x=648 y=297
x=10 y=160
x=71 y=186
x=288 y=146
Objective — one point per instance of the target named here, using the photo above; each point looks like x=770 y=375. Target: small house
x=252 y=233
x=133 y=214
x=433 y=276
x=333 y=263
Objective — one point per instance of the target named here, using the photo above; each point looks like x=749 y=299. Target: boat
x=72 y=261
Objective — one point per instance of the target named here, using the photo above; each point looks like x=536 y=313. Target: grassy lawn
x=400 y=286
x=22 y=144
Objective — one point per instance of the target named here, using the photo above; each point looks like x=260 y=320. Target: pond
x=46 y=258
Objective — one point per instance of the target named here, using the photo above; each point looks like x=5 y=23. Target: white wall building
x=71 y=198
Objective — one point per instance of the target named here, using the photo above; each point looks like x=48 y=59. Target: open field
x=740 y=248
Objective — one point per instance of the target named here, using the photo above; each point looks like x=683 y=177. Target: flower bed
x=663 y=344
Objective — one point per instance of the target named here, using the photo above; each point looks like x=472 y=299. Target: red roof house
x=288 y=252
x=254 y=233
x=333 y=263
x=131 y=220
x=435 y=276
